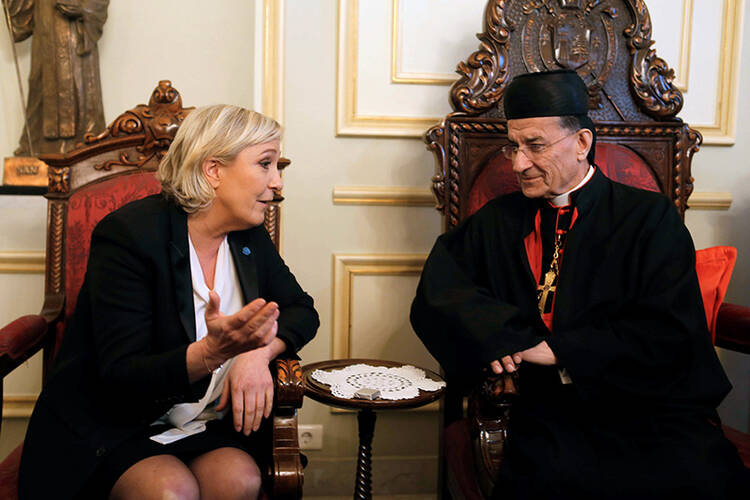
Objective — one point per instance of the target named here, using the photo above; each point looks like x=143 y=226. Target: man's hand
x=251 y=327
x=250 y=387
x=510 y=363
x=540 y=354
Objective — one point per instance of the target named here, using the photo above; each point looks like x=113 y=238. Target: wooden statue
x=65 y=95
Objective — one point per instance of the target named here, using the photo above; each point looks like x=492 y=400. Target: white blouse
x=226 y=284
x=190 y=418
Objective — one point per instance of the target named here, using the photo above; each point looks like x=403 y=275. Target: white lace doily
x=403 y=382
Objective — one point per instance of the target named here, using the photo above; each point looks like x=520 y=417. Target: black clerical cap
x=549 y=93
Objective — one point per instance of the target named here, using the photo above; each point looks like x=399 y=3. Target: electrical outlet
x=310 y=437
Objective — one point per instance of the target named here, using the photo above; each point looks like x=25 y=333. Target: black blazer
x=122 y=363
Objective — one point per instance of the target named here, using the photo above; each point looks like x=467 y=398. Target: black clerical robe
x=629 y=328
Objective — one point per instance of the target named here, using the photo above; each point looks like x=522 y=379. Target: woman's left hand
x=249 y=385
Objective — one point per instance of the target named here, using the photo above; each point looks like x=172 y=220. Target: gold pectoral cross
x=545 y=289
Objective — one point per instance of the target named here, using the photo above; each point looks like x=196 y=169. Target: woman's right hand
x=251 y=327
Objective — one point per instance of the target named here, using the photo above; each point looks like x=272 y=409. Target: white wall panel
x=207 y=52
x=376 y=95
x=702 y=97
x=380 y=326
x=672 y=21
x=430 y=36
x=23 y=221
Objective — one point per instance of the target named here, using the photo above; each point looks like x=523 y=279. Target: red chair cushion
x=616 y=162
x=623 y=165
x=495 y=179
x=86 y=207
x=714 y=268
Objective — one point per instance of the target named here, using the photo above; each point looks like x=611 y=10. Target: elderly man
x=588 y=288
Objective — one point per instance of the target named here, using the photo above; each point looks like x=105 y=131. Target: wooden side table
x=366 y=410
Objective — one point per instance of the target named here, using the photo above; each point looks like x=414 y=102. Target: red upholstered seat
x=86 y=208
x=20 y=335
x=495 y=179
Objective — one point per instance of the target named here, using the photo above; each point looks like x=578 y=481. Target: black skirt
x=218 y=434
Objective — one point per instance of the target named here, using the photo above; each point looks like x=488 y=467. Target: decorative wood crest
x=651 y=77
x=573 y=34
x=484 y=75
x=688 y=143
x=59 y=179
x=158 y=122
x=290 y=389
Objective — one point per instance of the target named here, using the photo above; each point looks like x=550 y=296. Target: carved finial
x=485 y=73
x=651 y=77
x=164 y=93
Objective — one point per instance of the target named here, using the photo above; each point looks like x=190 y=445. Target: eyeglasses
x=531 y=150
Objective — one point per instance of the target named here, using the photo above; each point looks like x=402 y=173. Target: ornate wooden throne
x=100 y=175
x=640 y=141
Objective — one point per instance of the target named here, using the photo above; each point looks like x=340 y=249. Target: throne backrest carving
x=632 y=99
x=100 y=175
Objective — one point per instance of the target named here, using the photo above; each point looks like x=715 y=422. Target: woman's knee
x=158 y=477
x=227 y=473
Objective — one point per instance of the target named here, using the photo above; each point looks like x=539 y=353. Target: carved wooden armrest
x=20 y=340
x=288 y=387
x=286 y=465
x=733 y=328
x=489 y=406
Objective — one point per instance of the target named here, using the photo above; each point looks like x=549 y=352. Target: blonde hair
x=218 y=132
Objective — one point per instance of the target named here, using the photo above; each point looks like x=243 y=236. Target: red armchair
x=87 y=183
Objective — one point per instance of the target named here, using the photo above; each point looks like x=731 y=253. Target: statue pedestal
x=24 y=171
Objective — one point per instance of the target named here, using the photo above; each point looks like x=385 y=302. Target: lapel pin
x=245 y=250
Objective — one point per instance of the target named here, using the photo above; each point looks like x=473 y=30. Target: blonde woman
x=185 y=299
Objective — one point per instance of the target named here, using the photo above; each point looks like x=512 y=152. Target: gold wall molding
x=345 y=268
x=722 y=131
x=273 y=59
x=682 y=73
x=348 y=120
x=423 y=197
x=18 y=406
x=22 y=261
x=397 y=75
x=383 y=195
x=710 y=201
